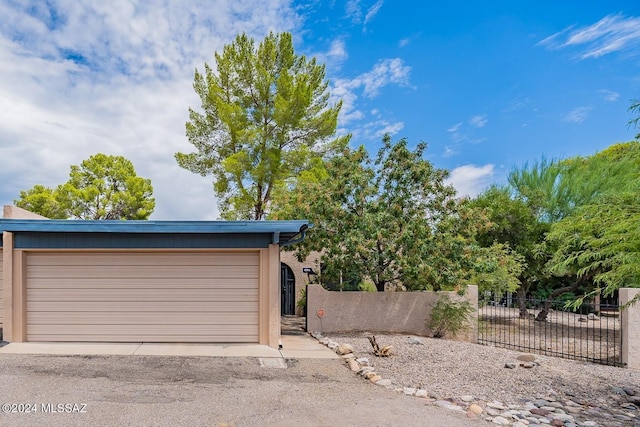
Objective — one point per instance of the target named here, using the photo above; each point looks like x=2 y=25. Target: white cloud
x=385 y=127
x=355 y=10
x=577 y=115
x=82 y=77
x=471 y=180
x=609 y=95
x=478 y=121
x=455 y=127
x=404 y=42
x=338 y=50
x=373 y=10
x=449 y=151
x=385 y=72
x=612 y=33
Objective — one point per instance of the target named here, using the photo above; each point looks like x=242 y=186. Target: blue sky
x=488 y=85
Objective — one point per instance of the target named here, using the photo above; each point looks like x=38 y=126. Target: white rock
x=409 y=391
x=344 y=349
x=519 y=424
x=386 y=382
x=421 y=393
x=448 y=405
x=467 y=398
x=333 y=345
x=501 y=421
x=363 y=361
x=364 y=370
x=496 y=405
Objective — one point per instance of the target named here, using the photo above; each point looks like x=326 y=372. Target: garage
x=144 y=281
x=167 y=297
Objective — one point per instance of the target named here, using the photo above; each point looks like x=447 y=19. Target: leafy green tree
x=102 y=187
x=635 y=108
x=44 y=201
x=265 y=117
x=599 y=244
x=515 y=223
x=391 y=220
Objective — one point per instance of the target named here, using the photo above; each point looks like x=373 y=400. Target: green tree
x=635 y=109
x=391 y=220
x=44 y=201
x=265 y=117
x=102 y=187
x=599 y=244
x=515 y=223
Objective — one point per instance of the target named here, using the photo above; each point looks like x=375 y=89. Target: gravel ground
x=449 y=369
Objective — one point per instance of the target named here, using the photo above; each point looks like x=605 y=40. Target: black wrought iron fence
x=592 y=333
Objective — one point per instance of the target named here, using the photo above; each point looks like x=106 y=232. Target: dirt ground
x=201 y=391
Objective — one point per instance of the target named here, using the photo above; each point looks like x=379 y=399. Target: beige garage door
x=133 y=297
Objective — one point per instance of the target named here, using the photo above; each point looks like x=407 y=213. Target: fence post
x=630 y=322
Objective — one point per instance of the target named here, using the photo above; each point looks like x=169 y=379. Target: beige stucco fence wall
x=381 y=312
x=409 y=313
x=630 y=324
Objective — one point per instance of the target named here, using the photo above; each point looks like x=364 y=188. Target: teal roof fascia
x=282 y=231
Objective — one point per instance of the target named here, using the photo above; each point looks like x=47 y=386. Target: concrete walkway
x=294 y=346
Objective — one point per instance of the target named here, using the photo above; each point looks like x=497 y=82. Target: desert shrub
x=301 y=305
x=449 y=317
x=367 y=287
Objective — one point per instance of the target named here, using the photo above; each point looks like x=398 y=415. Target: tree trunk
x=521 y=295
x=542 y=315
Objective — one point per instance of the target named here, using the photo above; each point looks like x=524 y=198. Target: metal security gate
x=592 y=333
x=288 y=292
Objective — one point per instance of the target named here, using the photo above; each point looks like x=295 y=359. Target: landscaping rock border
x=552 y=410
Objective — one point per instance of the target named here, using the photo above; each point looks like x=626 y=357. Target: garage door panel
x=141 y=330
x=144 y=318
x=147 y=306
x=143 y=338
x=141 y=259
x=152 y=297
x=142 y=283
x=145 y=271
x=176 y=295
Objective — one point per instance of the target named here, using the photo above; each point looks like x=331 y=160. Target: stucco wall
x=14 y=212
x=630 y=323
x=382 y=312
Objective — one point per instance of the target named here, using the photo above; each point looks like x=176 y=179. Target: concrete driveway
x=135 y=390
x=292 y=346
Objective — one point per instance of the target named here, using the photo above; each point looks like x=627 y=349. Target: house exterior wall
x=14 y=212
x=9 y=211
